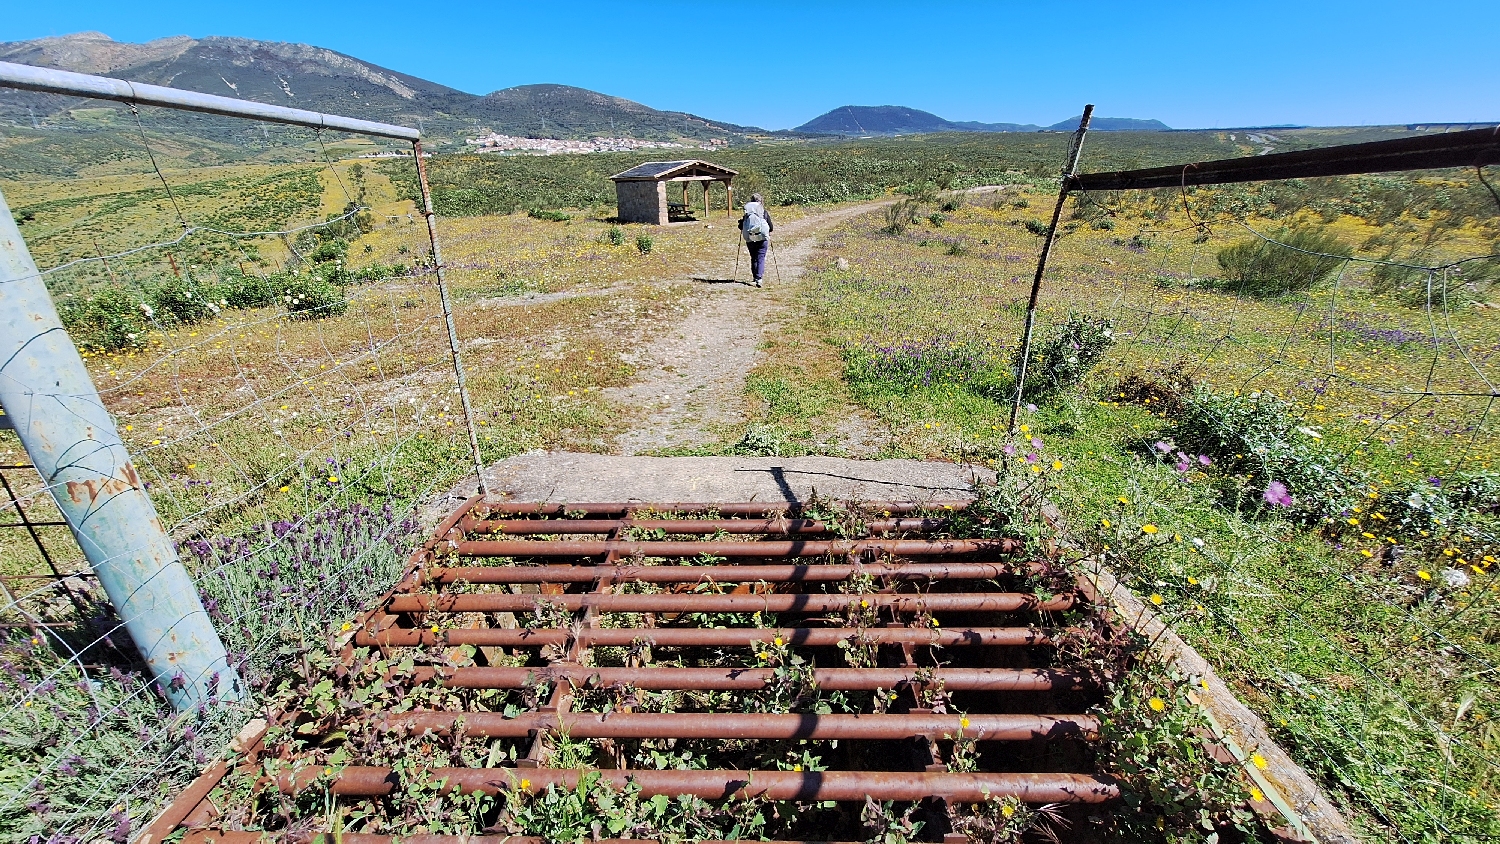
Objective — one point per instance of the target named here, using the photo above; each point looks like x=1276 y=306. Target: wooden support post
x=705 y=199
x=729 y=191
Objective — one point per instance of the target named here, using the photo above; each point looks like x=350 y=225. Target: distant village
x=556 y=146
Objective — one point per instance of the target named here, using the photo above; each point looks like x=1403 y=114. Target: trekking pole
x=737 y=259
x=771 y=247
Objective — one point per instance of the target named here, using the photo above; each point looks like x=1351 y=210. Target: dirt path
x=692 y=374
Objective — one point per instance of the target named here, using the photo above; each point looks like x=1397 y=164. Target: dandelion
x=347 y=627
x=1192 y=581
x=1258 y=761
x=1007 y=811
x=1025 y=428
x=863 y=604
x=1425 y=575
x=1256 y=795
x=525 y=784
x=1148 y=529
x=935 y=623
x=1123 y=500
x=779 y=641
x=1156 y=598
x=964 y=722
x=1104 y=523
x=1157 y=704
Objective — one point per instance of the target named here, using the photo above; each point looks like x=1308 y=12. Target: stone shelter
x=642 y=191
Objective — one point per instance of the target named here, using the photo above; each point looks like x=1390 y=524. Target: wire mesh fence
x=286 y=399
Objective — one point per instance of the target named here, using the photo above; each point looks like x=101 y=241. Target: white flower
x=147 y=309
x=1455 y=578
x=1311 y=432
x=1416 y=502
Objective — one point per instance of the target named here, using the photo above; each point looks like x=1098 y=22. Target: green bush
x=615 y=236
x=247 y=291
x=184 y=301
x=554 y=216
x=937 y=220
x=1299 y=259
x=312 y=297
x=1266 y=458
x=1067 y=355
x=645 y=244
x=109 y=320
x=376 y=272
x=1037 y=227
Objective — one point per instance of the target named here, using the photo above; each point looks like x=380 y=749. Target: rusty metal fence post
x=1068 y=173
x=442 y=282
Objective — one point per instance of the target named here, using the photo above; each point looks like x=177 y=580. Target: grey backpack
x=754 y=228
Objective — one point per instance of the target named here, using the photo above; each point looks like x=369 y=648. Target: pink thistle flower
x=1276 y=494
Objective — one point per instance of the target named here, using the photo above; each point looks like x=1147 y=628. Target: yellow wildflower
x=1258 y=761
x=1148 y=529
x=1157 y=704
x=1156 y=598
x=1425 y=575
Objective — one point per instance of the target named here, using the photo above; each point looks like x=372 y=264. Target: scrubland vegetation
x=1227 y=422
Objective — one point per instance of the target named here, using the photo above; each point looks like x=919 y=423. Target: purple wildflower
x=1277 y=495
x=1036 y=442
x=1164 y=446
x=1031 y=408
x=1008 y=450
x=1203 y=459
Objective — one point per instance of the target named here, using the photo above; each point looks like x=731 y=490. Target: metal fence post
x=71 y=440
x=442 y=282
x=1041 y=264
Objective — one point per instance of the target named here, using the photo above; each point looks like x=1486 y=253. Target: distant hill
x=1111 y=124
x=304 y=76
x=900 y=120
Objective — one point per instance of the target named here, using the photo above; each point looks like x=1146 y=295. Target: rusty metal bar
x=833 y=679
x=815 y=573
x=1471 y=148
x=772 y=785
x=523 y=527
x=727 y=508
x=226 y=836
x=447 y=306
x=689 y=637
x=764 y=549
x=667 y=602
x=688 y=725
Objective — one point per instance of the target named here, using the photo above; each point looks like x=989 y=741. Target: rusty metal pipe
x=725 y=574
x=670 y=603
x=206 y=835
x=833 y=679
x=727 y=508
x=633 y=725
x=522 y=527
x=767 y=548
x=689 y=637
x=844 y=786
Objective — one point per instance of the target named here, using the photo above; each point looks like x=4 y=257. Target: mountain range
x=318 y=79
x=315 y=78
x=899 y=120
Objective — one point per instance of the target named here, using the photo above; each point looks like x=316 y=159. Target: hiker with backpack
x=756 y=228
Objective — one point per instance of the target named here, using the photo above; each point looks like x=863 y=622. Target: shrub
x=311 y=297
x=645 y=244
x=615 y=236
x=1462 y=285
x=973 y=364
x=957 y=248
x=899 y=216
x=1037 y=227
x=109 y=320
x=1067 y=355
x=333 y=249
x=1299 y=259
x=952 y=203
x=184 y=301
x=376 y=272
x=247 y=291
x=937 y=220
x=554 y=216
x=1271 y=462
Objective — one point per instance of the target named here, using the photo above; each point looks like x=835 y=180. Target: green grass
x=1380 y=682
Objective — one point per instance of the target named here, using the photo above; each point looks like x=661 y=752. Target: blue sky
x=777 y=64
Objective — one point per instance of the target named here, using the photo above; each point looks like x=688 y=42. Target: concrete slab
x=574 y=477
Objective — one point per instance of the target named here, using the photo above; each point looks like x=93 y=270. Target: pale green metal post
x=71 y=439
